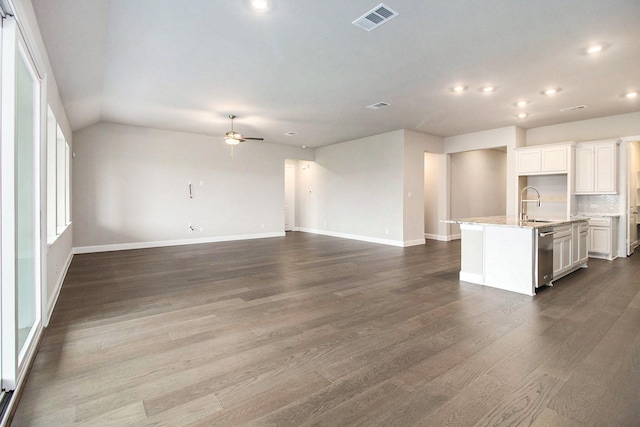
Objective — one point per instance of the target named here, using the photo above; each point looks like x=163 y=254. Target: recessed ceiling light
x=522 y=115
x=596 y=48
x=304 y=146
x=488 y=89
x=521 y=103
x=631 y=94
x=260 y=4
x=551 y=91
x=459 y=88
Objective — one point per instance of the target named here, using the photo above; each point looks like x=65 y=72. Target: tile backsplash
x=601 y=203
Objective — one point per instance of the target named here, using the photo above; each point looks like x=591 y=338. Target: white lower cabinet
x=584 y=245
x=602 y=237
x=570 y=250
x=562 y=248
x=580 y=243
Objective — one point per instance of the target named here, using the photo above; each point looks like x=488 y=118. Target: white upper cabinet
x=543 y=159
x=596 y=168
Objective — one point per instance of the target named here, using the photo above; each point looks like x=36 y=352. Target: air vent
x=577 y=107
x=291 y=133
x=378 y=105
x=375 y=17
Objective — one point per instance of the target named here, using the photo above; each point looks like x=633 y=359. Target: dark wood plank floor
x=314 y=330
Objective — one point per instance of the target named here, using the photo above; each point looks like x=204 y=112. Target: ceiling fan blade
x=255 y=139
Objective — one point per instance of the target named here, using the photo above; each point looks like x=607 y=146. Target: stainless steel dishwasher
x=545 y=256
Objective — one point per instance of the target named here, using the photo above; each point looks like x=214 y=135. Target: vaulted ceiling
x=302 y=66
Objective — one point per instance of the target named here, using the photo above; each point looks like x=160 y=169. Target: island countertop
x=512 y=221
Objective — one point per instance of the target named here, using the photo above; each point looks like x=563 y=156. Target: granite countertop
x=598 y=215
x=512 y=221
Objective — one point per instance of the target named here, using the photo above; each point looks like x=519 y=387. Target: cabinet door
x=528 y=161
x=554 y=159
x=566 y=253
x=557 y=257
x=575 y=243
x=600 y=239
x=583 y=247
x=584 y=169
x=605 y=177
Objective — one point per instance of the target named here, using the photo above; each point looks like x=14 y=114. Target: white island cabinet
x=502 y=252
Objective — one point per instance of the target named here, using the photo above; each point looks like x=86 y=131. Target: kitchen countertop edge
x=598 y=215
x=507 y=221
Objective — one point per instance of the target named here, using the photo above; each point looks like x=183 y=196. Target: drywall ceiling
x=303 y=67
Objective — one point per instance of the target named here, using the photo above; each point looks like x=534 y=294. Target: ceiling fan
x=234 y=138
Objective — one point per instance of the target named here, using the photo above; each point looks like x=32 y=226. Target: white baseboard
x=416 y=242
x=441 y=238
x=398 y=243
x=472 y=278
x=51 y=303
x=162 y=243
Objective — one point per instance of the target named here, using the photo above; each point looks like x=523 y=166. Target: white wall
x=415 y=146
x=586 y=130
x=131 y=188
x=478 y=184
x=432 y=176
x=370 y=189
x=509 y=137
x=501 y=137
x=355 y=189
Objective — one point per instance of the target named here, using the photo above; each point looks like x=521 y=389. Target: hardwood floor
x=314 y=330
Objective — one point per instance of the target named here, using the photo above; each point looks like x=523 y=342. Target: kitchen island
x=520 y=256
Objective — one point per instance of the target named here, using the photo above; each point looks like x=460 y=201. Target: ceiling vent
x=378 y=105
x=577 y=107
x=375 y=17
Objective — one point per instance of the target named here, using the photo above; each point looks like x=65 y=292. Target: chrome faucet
x=523 y=215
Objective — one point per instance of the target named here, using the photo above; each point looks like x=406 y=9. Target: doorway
x=633 y=196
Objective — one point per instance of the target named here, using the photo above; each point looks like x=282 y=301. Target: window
x=58 y=179
x=51 y=176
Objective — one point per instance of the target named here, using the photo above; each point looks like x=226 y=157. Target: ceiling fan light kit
x=234 y=138
x=231 y=141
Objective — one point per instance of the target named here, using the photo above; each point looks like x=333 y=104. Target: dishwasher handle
x=547 y=233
